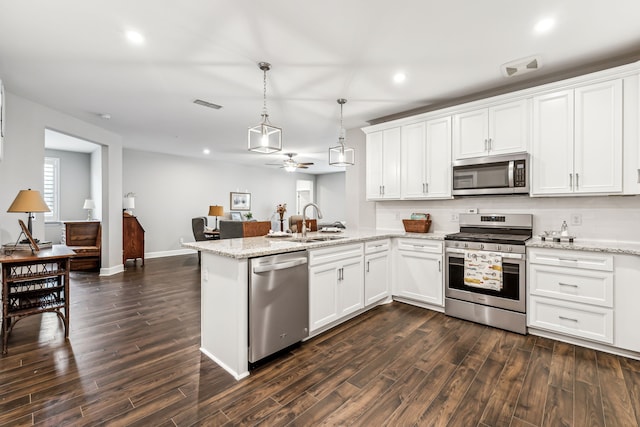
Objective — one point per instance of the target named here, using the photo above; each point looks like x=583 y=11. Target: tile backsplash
x=602 y=218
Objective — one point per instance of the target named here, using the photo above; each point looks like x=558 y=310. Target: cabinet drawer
x=575 y=259
x=376 y=246
x=584 y=321
x=334 y=253
x=420 y=245
x=571 y=284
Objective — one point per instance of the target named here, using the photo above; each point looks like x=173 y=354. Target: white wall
x=75 y=187
x=330 y=190
x=23 y=162
x=170 y=190
x=360 y=213
x=603 y=218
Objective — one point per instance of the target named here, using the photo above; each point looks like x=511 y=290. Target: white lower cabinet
x=336 y=283
x=376 y=271
x=418 y=271
x=571 y=292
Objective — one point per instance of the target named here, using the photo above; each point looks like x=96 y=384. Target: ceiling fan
x=291 y=165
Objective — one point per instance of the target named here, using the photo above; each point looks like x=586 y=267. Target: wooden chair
x=312 y=225
x=85 y=239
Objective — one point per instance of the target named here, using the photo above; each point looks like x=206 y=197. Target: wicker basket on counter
x=416 y=225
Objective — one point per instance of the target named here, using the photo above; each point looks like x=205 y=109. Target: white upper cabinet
x=598 y=138
x=383 y=164
x=426 y=160
x=500 y=129
x=577 y=141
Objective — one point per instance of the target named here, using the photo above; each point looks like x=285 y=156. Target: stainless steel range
x=485 y=271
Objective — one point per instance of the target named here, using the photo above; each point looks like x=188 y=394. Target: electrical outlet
x=205 y=274
x=454 y=217
x=576 y=219
x=181 y=240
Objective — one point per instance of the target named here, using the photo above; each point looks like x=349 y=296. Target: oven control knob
x=481 y=246
x=466 y=245
x=499 y=247
x=509 y=249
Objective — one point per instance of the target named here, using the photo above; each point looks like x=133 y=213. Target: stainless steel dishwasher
x=278 y=303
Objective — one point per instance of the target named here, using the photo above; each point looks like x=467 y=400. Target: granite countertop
x=250 y=247
x=608 y=246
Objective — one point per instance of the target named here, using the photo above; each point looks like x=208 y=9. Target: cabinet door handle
x=568 y=318
x=486 y=145
x=571 y=181
x=577 y=181
x=367 y=266
x=439 y=266
x=490 y=143
x=383 y=190
x=568 y=259
x=426 y=187
x=638 y=176
x=571 y=285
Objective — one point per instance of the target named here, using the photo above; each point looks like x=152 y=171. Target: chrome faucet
x=304 y=217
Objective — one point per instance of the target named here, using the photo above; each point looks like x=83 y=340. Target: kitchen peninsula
x=225 y=277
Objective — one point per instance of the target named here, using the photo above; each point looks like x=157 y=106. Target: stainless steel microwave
x=507 y=174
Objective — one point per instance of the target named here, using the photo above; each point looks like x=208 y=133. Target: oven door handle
x=502 y=254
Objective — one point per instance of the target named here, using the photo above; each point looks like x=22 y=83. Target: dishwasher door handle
x=280 y=265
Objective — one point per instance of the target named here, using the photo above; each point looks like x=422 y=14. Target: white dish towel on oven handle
x=483 y=270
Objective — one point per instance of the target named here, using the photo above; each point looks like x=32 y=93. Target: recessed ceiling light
x=544 y=25
x=399 y=77
x=206 y=151
x=135 y=37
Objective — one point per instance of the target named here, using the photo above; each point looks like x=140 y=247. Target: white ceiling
x=72 y=55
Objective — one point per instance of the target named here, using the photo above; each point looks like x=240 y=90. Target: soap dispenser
x=564 y=229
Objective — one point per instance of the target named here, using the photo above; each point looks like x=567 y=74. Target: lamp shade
x=89 y=204
x=129 y=203
x=29 y=201
x=216 y=210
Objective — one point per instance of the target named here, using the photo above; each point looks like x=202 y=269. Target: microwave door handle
x=511 y=172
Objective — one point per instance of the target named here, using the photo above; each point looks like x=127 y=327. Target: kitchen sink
x=317 y=238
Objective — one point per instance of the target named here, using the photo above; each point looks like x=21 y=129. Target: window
x=52 y=188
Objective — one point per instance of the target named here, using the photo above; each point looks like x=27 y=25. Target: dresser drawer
x=572 y=259
x=376 y=246
x=579 y=320
x=571 y=284
x=420 y=245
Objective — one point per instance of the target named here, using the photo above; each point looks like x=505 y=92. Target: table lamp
x=29 y=201
x=89 y=205
x=216 y=211
x=129 y=203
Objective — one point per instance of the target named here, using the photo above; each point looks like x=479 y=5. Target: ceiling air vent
x=520 y=66
x=207 y=104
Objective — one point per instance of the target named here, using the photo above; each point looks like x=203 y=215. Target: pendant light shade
x=265 y=138
x=341 y=155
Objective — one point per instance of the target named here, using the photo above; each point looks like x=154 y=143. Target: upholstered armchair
x=198 y=225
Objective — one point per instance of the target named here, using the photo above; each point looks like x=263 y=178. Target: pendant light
x=340 y=155
x=265 y=138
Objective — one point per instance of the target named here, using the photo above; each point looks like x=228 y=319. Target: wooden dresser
x=132 y=239
x=85 y=239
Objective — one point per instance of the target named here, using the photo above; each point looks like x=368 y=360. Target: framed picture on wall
x=236 y=216
x=240 y=201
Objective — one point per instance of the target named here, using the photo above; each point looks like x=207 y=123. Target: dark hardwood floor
x=133 y=359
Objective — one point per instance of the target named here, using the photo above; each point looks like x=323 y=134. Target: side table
x=34 y=283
